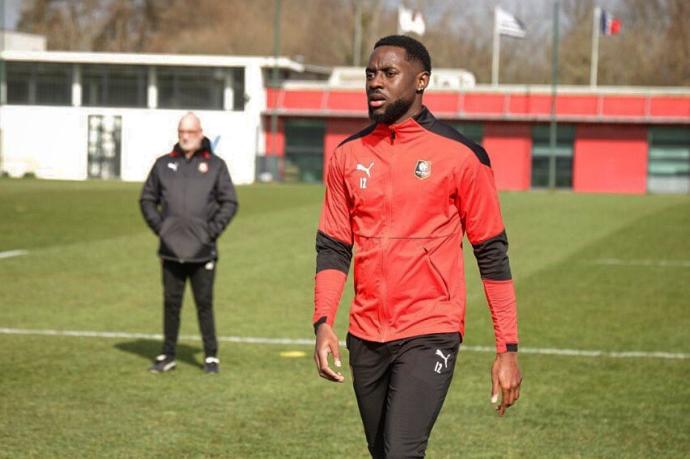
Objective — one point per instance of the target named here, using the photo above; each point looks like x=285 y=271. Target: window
x=104 y=146
x=191 y=87
x=473 y=131
x=114 y=85
x=38 y=83
x=304 y=150
x=237 y=81
x=541 y=155
x=669 y=160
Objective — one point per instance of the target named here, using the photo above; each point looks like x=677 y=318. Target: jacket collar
x=204 y=151
x=409 y=127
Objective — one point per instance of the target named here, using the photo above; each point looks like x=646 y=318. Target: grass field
x=91 y=266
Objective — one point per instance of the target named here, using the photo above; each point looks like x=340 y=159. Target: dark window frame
x=176 y=84
x=41 y=85
x=540 y=156
x=473 y=130
x=304 y=150
x=108 y=79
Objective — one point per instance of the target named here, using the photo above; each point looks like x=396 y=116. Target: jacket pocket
x=185 y=239
x=201 y=230
x=166 y=226
x=413 y=277
x=436 y=273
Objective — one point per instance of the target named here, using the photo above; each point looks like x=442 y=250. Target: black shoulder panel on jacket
x=430 y=123
x=364 y=132
x=492 y=258
x=206 y=145
x=332 y=253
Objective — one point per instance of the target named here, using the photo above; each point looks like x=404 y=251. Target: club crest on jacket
x=423 y=169
x=203 y=167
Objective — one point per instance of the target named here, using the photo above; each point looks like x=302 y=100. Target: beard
x=190 y=145
x=392 y=112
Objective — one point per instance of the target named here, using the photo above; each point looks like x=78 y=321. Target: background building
x=609 y=139
x=78 y=115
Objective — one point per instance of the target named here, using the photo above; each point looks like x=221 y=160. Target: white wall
x=19 y=41
x=52 y=141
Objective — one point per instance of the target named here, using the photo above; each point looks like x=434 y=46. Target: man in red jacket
x=403 y=193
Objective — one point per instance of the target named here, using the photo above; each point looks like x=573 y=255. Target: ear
x=422 y=81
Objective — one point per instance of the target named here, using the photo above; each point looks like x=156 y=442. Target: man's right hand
x=327 y=343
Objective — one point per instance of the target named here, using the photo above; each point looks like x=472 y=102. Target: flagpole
x=554 y=88
x=594 y=63
x=357 y=51
x=495 y=58
x=3 y=84
x=274 y=75
x=3 y=88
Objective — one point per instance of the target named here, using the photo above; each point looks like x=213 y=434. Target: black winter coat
x=188 y=203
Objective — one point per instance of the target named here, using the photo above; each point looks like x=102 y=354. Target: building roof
x=191 y=60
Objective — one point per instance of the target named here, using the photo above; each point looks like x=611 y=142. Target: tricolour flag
x=507 y=24
x=609 y=24
x=410 y=21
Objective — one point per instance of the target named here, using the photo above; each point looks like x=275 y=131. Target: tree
x=653 y=47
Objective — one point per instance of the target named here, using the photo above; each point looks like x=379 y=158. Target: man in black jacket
x=188 y=200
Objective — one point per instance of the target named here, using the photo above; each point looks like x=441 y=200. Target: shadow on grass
x=149 y=349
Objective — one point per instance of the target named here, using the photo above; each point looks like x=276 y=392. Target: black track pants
x=201 y=276
x=400 y=387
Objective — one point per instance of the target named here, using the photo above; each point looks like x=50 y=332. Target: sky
x=11 y=10
x=537 y=9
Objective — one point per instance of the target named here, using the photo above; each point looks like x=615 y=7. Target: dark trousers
x=201 y=276
x=400 y=388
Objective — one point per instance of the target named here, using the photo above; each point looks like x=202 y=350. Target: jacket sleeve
x=477 y=202
x=150 y=199
x=333 y=245
x=227 y=200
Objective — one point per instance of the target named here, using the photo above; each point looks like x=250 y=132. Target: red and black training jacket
x=402 y=197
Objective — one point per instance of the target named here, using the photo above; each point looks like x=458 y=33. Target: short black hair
x=414 y=49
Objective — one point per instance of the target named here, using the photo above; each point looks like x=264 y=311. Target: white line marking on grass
x=13 y=253
x=310 y=342
x=652 y=263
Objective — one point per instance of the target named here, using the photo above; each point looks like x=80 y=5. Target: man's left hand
x=506 y=379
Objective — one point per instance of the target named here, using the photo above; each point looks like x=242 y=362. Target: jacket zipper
x=386 y=243
x=184 y=163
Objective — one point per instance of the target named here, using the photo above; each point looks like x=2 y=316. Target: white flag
x=410 y=21
x=507 y=24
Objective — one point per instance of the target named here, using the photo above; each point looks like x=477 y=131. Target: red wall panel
x=601 y=107
x=347 y=100
x=483 y=103
x=271 y=97
x=610 y=159
x=509 y=146
x=338 y=130
x=274 y=147
x=307 y=100
x=441 y=102
x=533 y=104
x=671 y=106
x=576 y=105
x=624 y=106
